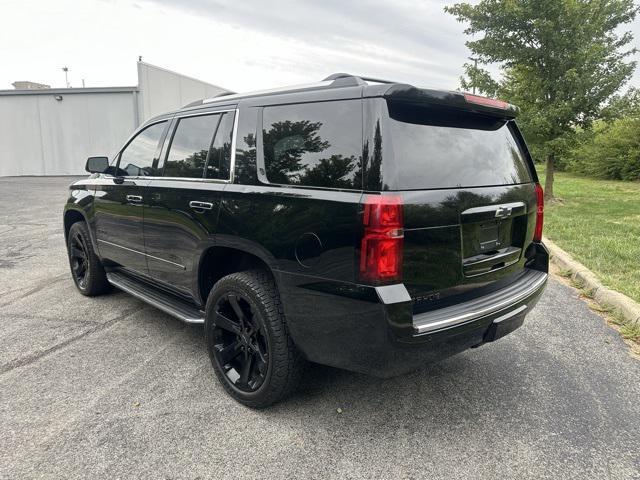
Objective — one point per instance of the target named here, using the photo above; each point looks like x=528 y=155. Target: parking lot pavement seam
x=33 y=290
x=29 y=359
x=88 y=410
x=46 y=318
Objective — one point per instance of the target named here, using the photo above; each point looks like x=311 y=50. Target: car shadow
x=464 y=386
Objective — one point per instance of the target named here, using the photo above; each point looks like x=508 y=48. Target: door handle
x=201 y=205
x=134 y=198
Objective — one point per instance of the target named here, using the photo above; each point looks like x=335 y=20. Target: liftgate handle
x=201 y=205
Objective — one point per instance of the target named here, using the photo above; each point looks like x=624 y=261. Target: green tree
x=611 y=151
x=561 y=60
x=621 y=106
x=478 y=78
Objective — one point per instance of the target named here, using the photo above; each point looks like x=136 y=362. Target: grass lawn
x=598 y=223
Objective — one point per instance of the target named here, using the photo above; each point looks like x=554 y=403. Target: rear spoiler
x=458 y=100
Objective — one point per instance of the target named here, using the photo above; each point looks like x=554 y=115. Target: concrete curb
x=628 y=308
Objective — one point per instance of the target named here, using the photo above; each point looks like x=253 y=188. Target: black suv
x=358 y=223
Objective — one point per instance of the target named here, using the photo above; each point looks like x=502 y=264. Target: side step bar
x=166 y=302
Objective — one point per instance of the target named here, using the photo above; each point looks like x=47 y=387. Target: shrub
x=611 y=151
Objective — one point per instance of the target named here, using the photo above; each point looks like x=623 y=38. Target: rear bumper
x=523 y=290
x=374 y=331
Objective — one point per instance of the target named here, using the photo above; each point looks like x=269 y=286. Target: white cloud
x=238 y=45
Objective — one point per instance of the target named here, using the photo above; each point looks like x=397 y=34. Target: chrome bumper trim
x=529 y=284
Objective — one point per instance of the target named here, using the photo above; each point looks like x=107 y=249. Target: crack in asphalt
x=29 y=359
x=47 y=318
x=33 y=290
x=86 y=411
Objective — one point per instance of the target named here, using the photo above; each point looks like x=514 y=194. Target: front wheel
x=86 y=268
x=251 y=351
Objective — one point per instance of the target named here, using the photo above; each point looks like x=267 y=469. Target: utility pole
x=475 y=67
x=66 y=76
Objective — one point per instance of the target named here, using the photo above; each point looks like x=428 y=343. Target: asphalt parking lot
x=112 y=388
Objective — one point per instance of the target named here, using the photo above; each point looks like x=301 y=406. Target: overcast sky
x=239 y=45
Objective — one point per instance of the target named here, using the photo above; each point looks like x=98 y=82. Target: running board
x=166 y=302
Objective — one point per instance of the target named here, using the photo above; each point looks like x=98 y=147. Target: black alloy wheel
x=247 y=336
x=86 y=269
x=240 y=344
x=79 y=259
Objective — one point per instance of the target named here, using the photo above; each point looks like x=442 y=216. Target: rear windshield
x=435 y=148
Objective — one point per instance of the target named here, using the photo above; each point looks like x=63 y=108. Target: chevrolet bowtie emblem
x=503 y=212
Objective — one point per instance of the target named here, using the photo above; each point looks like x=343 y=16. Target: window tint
x=137 y=157
x=439 y=149
x=219 y=162
x=245 y=167
x=316 y=144
x=190 y=146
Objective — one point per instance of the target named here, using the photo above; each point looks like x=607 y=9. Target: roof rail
x=222 y=94
x=291 y=88
x=202 y=100
x=332 y=81
x=358 y=78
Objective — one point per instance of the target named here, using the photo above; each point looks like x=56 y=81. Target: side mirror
x=97 y=164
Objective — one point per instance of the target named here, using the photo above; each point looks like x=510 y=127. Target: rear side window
x=314 y=144
x=190 y=146
x=435 y=148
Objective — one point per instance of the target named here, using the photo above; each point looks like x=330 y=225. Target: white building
x=53 y=131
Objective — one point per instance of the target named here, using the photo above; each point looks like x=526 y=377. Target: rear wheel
x=250 y=349
x=86 y=268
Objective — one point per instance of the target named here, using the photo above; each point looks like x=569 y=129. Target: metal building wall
x=162 y=90
x=40 y=135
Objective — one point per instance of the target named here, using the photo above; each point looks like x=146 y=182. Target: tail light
x=382 y=240
x=537 y=233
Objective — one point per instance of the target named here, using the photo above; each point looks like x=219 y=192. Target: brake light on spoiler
x=487 y=102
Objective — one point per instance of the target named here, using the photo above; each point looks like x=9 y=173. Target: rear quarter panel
x=304 y=231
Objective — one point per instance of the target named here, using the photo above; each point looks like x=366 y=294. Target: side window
x=137 y=157
x=315 y=144
x=190 y=146
x=219 y=164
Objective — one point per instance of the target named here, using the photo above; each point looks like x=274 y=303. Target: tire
x=86 y=269
x=244 y=319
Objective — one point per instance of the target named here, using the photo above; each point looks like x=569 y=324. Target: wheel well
x=71 y=217
x=219 y=262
